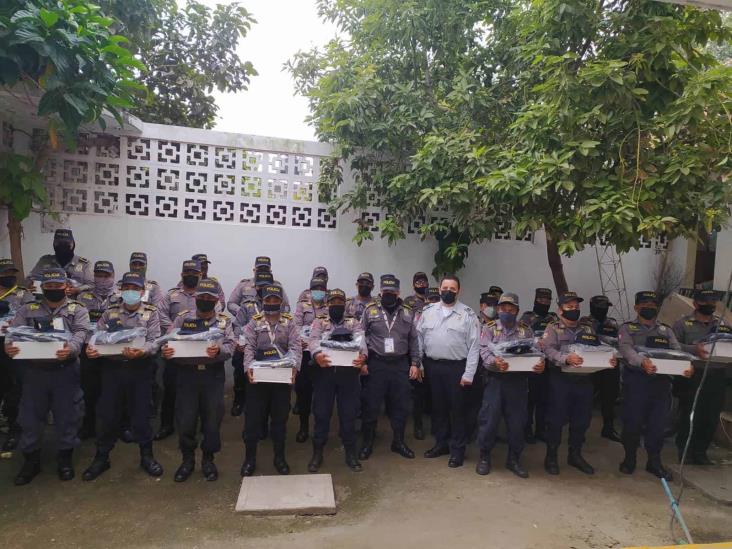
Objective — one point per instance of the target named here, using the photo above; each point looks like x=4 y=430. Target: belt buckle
x=200 y=367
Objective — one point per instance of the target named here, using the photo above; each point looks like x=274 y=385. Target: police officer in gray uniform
x=204 y=261
x=308 y=308
x=335 y=383
x=96 y=300
x=268 y=332
x=318 y=272
x=570 y=395
x=246 y=287
x=200 y=382
x=12 y=298
x=646 y=394
x=505 y=393
x=418 y=299
x=153 y=292
x=391 y=357
x=356 y=304
x=51 y=385
x=177 y=301
x=690 y=330
x=78 y=269
x=127 y=378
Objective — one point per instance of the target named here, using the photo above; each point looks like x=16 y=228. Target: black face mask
x=572 y=315
x=364 y=291
x=64 y=253
x=205 y=306
x=421 y=290
x=271 y=308
x=448 y=296
x=706 y=309
x=54 y=296
x=598 y=313
x=336 y=312
x=647 y=313
x=8 y=281
x=389 y=301
x=541 y=309
x=140 y=269
x=190 y=281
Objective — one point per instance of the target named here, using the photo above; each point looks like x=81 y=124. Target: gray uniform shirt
x=174 y=303
x=355 y=306
x=78 y=269
x=375 y=324
x=496 y=332
x=634 y=334
x=307 y=310
x=246 y=291
x=74 y=317
x=244 y=315
x=450 y=333
x=556 y=335
x=16 y=297
x=221 y=321
x=146 y=316
x=261 y=335
x=323 y=326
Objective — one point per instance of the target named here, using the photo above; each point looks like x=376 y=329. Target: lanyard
x=272 y=336
x=10 y=291
x=393 y=320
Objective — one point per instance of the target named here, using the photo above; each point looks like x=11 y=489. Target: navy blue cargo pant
x=505 y=396
x=127 y=382
x=388 y=382
x=199 y=396
x=339 y=385
x=646 y=407
x=570 y=401
x=448 y=403
x=51 y=387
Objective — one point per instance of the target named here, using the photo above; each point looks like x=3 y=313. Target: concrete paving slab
x=714 y=481
x=287 y=495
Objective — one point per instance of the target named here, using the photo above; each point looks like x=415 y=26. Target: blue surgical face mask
x=131 y=297
x=317 y=295
x=506 y=317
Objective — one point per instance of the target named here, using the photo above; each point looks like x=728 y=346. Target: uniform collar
x=506 y=329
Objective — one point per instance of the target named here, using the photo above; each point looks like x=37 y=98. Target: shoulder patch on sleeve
x=288 y=316
x=258 y=316
x=185 y=312
x=83 y=260
x=149 y=307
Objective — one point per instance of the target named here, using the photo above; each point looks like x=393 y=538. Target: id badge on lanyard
x=58 y=324
x=273 y=337
x=389 y=341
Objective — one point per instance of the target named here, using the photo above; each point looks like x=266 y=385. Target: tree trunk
x=15 y=231
x=555 y=264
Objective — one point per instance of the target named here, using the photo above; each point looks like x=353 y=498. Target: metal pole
x=676 y=510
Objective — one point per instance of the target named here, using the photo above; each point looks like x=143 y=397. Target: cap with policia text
x=366 y=277
x=135 y=279
x=138 y=257
x=191 y=265
x=201 y=258
x=336 y=293
x=321 y=272
x=432 y=294
x=207 y=286
x=646 y=296
x=104 y=267
x=263 y=278
x=7 y=265
x=272 y=290
x=487 y=298
x=389 y=282
x=707 y=296
x=53 y=275
x=318 y=282
x=63 y=235
x=262 y=261
x=566 y=297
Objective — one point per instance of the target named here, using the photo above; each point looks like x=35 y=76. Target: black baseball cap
x=600 y=301
x=646 y=296
x=336 y=293
x=545 y=293
x=566 y=297
x=707 y=296
x=104 y=267
x=389 y=282
x=367 y=277
x=135 y=279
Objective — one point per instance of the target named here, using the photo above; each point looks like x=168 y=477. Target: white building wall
x=723 y=260
x=104 y=229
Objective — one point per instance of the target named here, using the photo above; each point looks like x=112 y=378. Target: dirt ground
x=394 y=502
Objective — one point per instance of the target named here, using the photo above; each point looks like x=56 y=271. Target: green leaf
x=49 y=18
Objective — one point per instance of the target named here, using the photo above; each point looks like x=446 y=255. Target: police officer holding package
x=200 y=382
x=96 y=300
x=391 y=357
x=153 y=292
x=646 y=395
x=335 y=383
x=690 y=330
x=355 y=305
x=246 y=310
x=176 y=301
x=506 y=393
x=270 y=333
x=12 y=298
x=570 y=394
x=246 y=286
x=308 y=308
x=538 y=318
x=78 y=269
x=449 y=338
x=127 y=377
x=204 y=262
x=51 y=385
x=607 y=382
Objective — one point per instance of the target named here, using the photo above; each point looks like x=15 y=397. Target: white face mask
x=489 y=311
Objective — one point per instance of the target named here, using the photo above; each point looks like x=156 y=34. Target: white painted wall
x=723 y=260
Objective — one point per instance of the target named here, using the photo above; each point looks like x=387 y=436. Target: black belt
x=389 y=358
x=445 y=361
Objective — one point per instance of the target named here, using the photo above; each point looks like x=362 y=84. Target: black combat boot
x=655 y=467
x=65 y=467
x=418 y=427
x=398 y=446
x=575 y=459
x=250 y=461
x=164 y=432
x=483 y=467
x=352 y=460
x=317 y=460
x=208 y=467
x=304 y=432
x=551 y=462
x=627 y=466
x=367 y=447
x=513 y=464
x=31 y=468
x=99 y=465
x=148 y=462
x=186 y=467
x=609 y=432
x=280 y=464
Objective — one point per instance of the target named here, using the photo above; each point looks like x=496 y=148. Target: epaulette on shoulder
x=152 y=282
x=175 y=289
x=149 y=307
x=469 y=310
x=75 y=302
x=522 y=325
x=115 y=306
x=83 y=260
x=321 y=316
x=407 y=306
x=258 y=316
x=222 y=315
x=184 y=312
x=288 y=316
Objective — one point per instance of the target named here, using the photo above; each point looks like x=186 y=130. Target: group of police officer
x=427 y=352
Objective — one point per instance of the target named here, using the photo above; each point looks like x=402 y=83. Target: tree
x=593 y=120
x=62 y=56
x=189 y=51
